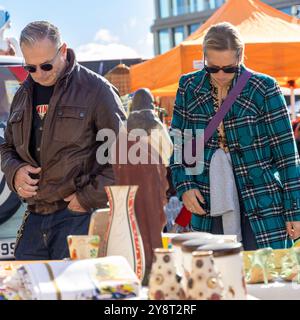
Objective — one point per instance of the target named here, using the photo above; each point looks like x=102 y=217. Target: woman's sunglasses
x=48 y=66
x=229 y=69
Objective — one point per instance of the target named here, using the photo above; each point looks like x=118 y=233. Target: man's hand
x=190 y=200
x=293 y=229
x=74 y=204
x=25 y=186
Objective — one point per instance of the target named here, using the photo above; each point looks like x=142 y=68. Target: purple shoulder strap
x=225 y=107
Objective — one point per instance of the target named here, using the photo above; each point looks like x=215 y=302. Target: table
x=278 y=290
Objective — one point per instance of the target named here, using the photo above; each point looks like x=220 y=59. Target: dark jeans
x=249 y=242
x=44 y=237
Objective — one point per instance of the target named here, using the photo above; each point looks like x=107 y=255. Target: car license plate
x=7 y=247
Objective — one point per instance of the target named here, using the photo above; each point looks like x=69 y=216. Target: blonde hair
x=224 y=36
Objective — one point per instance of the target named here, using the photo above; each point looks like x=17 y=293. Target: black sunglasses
x=48 y=66
x=229 y=69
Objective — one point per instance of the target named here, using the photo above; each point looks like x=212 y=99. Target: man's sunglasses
x=48 y=66
x=229 y=69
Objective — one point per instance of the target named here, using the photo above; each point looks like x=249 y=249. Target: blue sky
x=96 y=29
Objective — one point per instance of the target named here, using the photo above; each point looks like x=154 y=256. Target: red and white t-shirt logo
x=42 y=110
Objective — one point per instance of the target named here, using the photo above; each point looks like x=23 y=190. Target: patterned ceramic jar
x=229 y=261
x=187 y=249
x=176 y=245
x=205 y=282
x=164 y=284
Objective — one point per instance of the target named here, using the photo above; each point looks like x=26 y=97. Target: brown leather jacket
x=82 y=103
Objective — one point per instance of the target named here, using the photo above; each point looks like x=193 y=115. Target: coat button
x=265 y=202
x=256 y=173
x=81 y=115
x=245 y=140
x=60 y=113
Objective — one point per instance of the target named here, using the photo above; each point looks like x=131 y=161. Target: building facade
x=175 y=20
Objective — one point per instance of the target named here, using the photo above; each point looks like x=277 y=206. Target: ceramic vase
x=124 y=238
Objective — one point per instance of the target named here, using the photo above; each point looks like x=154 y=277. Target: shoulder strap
x=227 y=104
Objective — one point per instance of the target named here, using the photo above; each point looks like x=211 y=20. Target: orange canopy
x=272 y=41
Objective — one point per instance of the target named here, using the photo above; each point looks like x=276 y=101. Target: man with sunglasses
x=49 y=154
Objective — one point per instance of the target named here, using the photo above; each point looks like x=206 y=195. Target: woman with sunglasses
x=249 y=185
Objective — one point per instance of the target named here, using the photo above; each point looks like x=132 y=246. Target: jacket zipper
x=29 y=131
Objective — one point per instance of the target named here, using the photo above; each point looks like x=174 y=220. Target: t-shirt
x=41 y=99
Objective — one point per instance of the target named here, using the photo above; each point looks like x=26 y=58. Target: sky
x=95 y=29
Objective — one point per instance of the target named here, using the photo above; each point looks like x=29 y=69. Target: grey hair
x=39 y=30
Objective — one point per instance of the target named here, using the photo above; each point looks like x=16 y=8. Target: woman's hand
x=293 y=229
x=190 y=200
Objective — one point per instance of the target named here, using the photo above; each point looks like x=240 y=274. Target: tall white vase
x=124 y=237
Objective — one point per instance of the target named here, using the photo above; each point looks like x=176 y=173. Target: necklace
x=217 y=102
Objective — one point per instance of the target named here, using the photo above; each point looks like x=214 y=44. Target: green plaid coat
x=262 y=148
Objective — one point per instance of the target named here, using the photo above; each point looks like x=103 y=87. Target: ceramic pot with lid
x=229 y=261
x=164 y=284
x=205 y=282
x=176 y=245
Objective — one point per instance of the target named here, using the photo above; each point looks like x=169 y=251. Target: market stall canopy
x=166 y=91
x=272 y=41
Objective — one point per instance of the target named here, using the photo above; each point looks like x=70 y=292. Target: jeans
x=44 y=237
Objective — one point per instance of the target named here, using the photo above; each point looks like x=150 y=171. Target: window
x=193 y=6
x=164 y=8
x=178 y=35
x=218 y=3
x=9 y=85
x=164 y=40
x=179 y=7
x=287 y=10
x=201 y=5
x=193 y=27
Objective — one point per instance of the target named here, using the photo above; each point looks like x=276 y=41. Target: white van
x=11 y=208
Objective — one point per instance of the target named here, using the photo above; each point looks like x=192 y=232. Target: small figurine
x=290 y=265
x=262 y=269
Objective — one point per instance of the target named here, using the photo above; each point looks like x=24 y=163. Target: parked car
x=11 y=208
